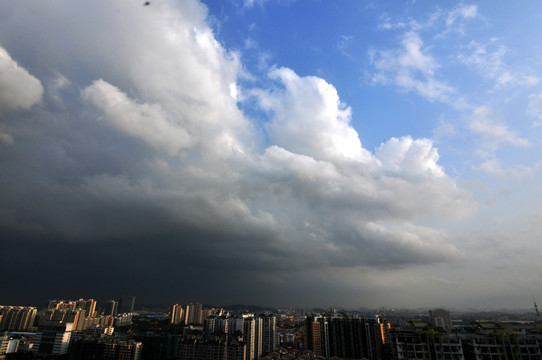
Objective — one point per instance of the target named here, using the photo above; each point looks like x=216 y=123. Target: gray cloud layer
x=138 y=168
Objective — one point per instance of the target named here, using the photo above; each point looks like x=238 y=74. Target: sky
x=280 y=153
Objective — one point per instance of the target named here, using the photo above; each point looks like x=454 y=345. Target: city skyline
x=79 y=329
x=103 y=307
x=273 y=152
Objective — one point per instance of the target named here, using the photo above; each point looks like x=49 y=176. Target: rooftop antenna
x=536 y=309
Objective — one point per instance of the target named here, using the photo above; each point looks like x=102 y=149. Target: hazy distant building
x=126 y=304
x=440 y=318
x=111 y=308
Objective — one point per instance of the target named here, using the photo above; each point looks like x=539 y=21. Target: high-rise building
x=345 y=337
x=88 y=305
x=269 y=328
x=440 y=318
x=157 y=346
x=375 y=336
x=193 y=314
x=63 y=315
x=111 y=308
x=429 y=345
x=222 y=348
x=8 y=344
x=211 y=325
x=206 y=313
x=250 y=338
x=479 y=340
x=317 y=338
x=106 y=349
x=177 y=314
x=53 y=337
x=258 y=332
x=232 y=325
x=126 y=304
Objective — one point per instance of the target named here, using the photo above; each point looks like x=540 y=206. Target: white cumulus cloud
x=18 y=88
x=309 y=118
x=409 y=156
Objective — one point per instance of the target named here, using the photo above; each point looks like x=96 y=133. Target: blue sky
x=481 y=54
x=345 y=153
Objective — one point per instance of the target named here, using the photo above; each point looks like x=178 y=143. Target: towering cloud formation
x=155 y=154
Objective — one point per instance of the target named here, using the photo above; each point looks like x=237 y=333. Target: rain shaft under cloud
x=128 y=154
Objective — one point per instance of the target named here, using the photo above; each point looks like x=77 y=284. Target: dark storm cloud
x=136 y=172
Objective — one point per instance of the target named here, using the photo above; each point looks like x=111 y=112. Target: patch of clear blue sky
x=329 y=39
x=332 y=40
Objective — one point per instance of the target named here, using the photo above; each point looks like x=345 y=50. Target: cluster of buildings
x=17 y=318
x=229 y=337
x=433 y=337
x=346 y=337
x=214 y=334
x=79 y=329
x=191 y=314
x=438 y=338
x=58 y=328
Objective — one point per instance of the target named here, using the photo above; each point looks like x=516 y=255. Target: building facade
x=17 y=318
x=53 y=337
